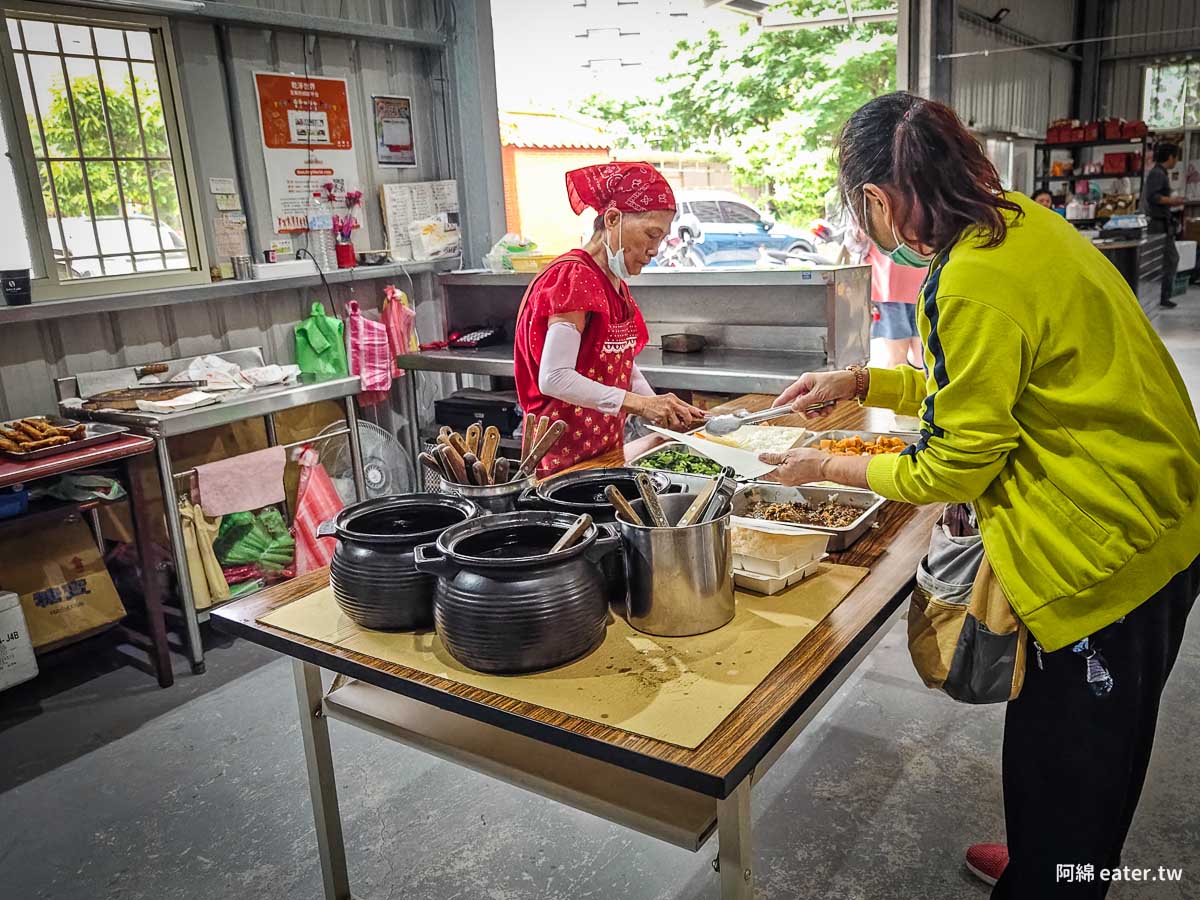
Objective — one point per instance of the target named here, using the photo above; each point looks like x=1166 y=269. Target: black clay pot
x=505 y=604
x=372 y=574
x=583 y=492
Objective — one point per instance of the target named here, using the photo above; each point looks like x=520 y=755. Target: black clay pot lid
x=512 y=540
x=585 y=489
x=407 y=518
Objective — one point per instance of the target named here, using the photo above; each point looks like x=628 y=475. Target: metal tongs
x=728 y=423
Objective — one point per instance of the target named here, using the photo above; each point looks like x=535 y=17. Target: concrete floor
x=111 y=788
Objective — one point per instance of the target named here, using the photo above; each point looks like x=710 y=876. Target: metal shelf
x=1093 y=177
x=217 y=290
x=1073 y=145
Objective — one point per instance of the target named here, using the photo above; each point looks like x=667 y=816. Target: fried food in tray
x=856 y=446
x=32 y=434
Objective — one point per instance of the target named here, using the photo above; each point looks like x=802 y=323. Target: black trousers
x=1170 y=256
x=1075 y=762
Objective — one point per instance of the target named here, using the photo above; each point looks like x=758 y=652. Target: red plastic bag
x=370 y=354
x=317 y=501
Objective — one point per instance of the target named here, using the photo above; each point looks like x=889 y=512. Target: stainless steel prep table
x=259 y=403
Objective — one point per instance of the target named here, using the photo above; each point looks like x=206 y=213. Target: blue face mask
x=616 y=258
x=902 y=255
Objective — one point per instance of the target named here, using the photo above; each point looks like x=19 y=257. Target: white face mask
x=616 y=258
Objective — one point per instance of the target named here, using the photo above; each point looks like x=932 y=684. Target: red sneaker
x=987 y=862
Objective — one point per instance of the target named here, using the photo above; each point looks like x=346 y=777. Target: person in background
x=578 y=328
x=894 y=288
x=1043 y=197
x=1051 y=406
x=1158 y=206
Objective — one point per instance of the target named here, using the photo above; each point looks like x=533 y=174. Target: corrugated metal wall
x=1123 y=61
x=1013 y=92
x=33 y=354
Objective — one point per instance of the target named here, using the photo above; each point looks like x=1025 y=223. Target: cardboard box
x=17 y=662
x=60 y=576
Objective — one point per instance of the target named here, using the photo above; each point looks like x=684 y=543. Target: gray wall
x=32 y=354
x=1123 y=62
x=1016 y=93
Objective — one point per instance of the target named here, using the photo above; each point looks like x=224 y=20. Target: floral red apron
x=606 y=353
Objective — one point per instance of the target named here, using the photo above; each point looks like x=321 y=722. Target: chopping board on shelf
x=126 y=399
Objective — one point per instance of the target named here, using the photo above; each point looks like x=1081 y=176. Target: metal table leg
x=735 y=852
x=322 y=787
x=151 y=582
x=414 y=420
x=175 y=531
x=360 y=487
x=272 y=441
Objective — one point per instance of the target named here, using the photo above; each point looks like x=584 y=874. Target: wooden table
x=673 y=793
x=122 y=450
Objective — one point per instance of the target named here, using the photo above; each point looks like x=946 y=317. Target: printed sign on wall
x=307 y=143
x=394 y=143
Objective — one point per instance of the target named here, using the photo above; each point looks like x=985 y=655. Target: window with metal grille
x=101 y=131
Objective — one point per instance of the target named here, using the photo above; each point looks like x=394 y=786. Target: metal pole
x=240 y=166
x=187 y=602
x=273 y=441
x=322 y=786
x=360 y=487
x=414 y=420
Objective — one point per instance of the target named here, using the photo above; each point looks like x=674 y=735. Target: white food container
x=775 y=550
x=766 y=584
x=17 y=662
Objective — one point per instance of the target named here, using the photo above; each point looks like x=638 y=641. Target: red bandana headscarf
x=624 y=186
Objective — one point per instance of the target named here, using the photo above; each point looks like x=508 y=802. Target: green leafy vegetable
x=672 y=460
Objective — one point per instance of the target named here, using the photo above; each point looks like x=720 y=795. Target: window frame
x=45 y=283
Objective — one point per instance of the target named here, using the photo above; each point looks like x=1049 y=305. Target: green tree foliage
x=771 y=102
x=136 y=180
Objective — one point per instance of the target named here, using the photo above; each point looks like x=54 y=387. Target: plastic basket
x=531 y=263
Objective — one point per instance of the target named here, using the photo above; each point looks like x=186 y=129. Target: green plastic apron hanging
x=320 y=345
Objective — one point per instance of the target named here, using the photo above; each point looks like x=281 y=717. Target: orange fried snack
x=856 y=446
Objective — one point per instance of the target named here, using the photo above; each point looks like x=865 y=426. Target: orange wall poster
x=307 y=143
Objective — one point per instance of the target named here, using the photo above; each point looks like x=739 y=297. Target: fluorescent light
x=830 y=20
x=178 y=6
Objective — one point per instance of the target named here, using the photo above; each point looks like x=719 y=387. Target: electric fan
x=386 y=470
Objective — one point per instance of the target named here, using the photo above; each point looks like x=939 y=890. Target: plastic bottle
x=320 y=234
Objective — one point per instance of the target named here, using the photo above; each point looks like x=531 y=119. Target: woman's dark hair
x=1039 y=193
x=920 y=151
x=1164 y=151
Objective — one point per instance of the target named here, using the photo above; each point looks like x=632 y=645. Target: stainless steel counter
x=729 y=371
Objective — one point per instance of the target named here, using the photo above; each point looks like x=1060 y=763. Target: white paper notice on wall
x=229 y=234
x=222 y=186
x=228 y=202
x=404 y=204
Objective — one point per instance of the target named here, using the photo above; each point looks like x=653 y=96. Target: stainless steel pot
x=493 y=498
x=582 y=491
x=680 y=579
x=372 y=574
x=504 y=603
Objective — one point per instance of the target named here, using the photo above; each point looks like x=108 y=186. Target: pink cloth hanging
x=370 y=355
x=400 y=320
x=241 y=483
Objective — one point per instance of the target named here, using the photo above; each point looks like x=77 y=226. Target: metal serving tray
x=97 y=433
x=840 y=538
x=685 y=478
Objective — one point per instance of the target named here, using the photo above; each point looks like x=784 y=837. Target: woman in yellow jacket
x=1049 y=403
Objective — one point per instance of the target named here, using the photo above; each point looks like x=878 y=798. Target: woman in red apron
x=579 y=329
